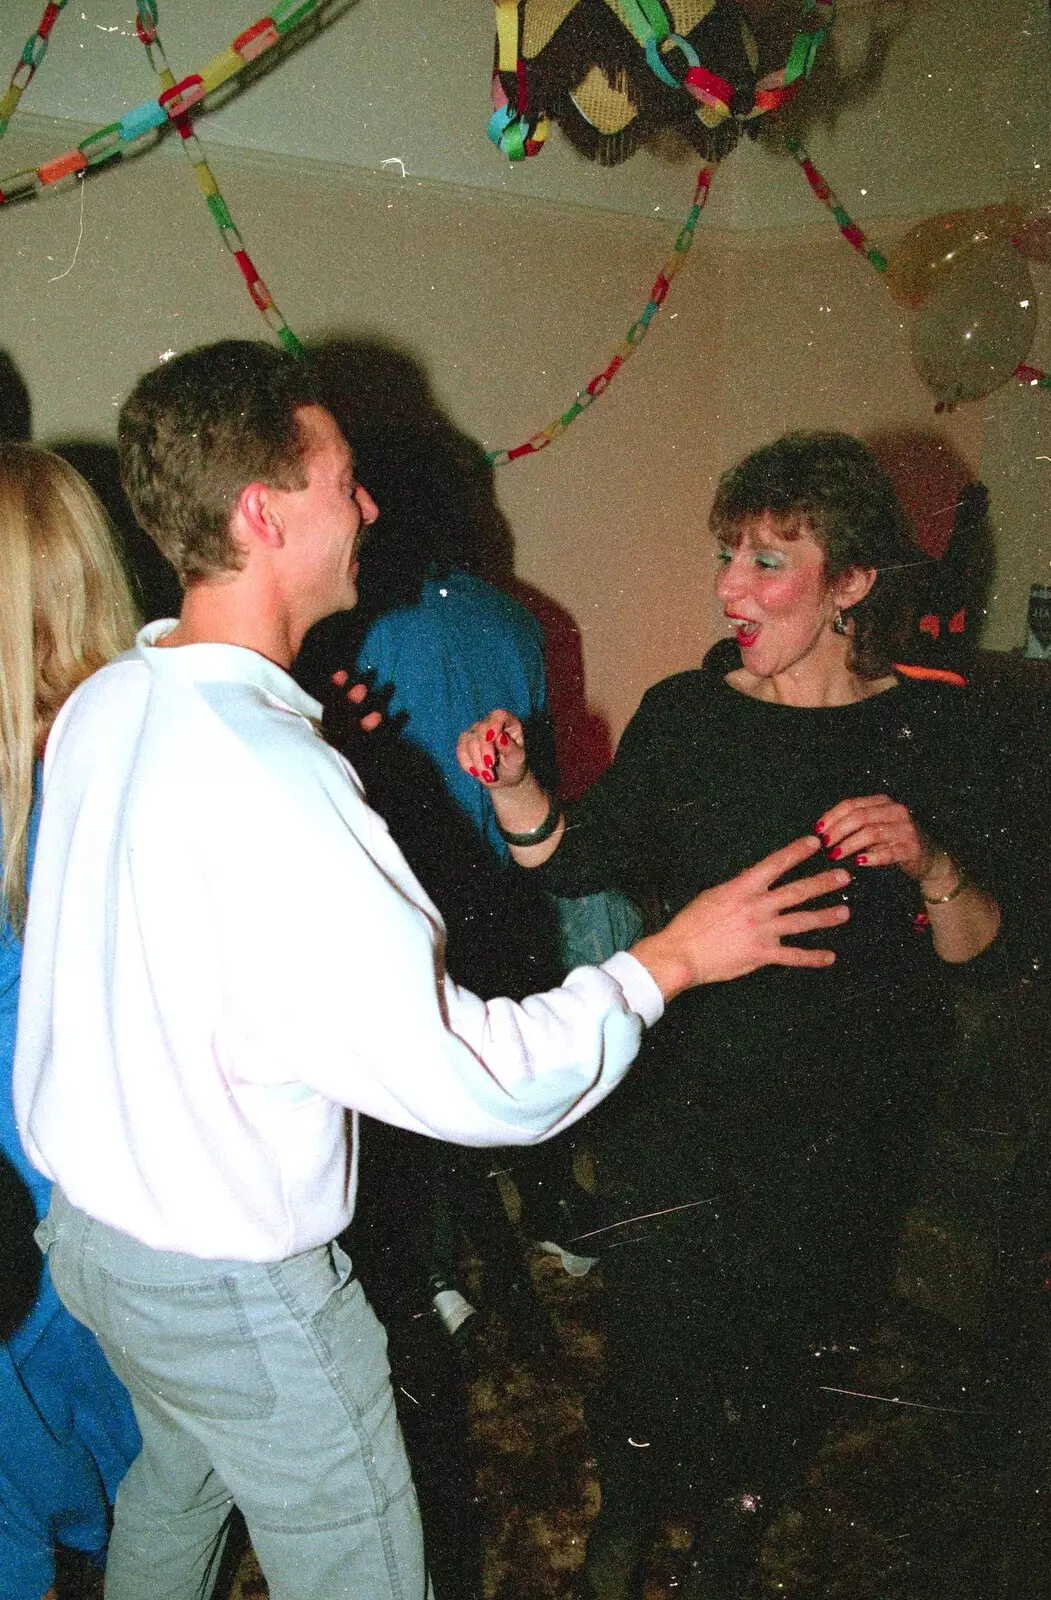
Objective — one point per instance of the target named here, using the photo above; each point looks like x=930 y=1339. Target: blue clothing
x=67 y=1432
x=463 y=650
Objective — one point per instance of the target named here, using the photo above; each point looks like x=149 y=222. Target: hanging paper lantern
x=973 y=331
x=613 y=73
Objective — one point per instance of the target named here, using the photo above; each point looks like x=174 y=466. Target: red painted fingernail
x=474 y=772
x=487 y=758
x=862 y=861
x=819 y=826
x=504 y=739
x=488 y=777
x=490 y=734
x=834 y=855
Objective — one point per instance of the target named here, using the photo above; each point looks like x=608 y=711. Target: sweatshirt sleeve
x=353 y=1000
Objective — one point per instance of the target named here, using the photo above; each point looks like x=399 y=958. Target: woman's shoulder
x=688 y=691
x=945 y=703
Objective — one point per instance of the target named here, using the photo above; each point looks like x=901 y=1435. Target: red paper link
x=256 y=287
x=701 y=82
x=48 y=20
x=259 y=37
x=181 y=96
x=61 y=167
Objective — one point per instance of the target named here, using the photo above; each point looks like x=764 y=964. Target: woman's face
x=776 y=597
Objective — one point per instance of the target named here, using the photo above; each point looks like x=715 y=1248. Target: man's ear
x=257 y=516
x=853 y=585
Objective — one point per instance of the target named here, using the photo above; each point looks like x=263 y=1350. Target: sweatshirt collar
x=209 y=663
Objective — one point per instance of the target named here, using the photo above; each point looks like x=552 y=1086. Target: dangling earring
x=838 y=625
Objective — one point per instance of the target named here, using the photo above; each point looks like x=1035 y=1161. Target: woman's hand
x=878 y=832
x=493 y=751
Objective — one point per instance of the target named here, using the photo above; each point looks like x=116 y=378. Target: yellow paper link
x=507 y=34
x=205 y=178
x=220 y=69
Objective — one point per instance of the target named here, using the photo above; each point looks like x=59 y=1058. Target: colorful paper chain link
x=1034 y=377
x=847 y=226
x=511 y=128
x=106 y=143
x=629 y=344
x=33 y=53
x=519 y=135
x=146 y=27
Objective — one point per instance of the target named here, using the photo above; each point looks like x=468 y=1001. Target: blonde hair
x=65 y=610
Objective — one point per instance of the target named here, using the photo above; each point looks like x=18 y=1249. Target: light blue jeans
x=265 y=1386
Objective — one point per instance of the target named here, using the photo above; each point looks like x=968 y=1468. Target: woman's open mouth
x=745 y=631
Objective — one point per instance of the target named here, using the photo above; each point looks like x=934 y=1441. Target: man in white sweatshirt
x=226 y=959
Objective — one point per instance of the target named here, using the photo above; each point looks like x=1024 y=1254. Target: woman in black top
x=776 y=1120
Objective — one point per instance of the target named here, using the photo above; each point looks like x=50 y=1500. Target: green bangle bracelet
x=535 y=835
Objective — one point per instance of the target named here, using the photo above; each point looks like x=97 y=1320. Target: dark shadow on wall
x=949 y=513
x=16 y=411
x=154 y=582
x=156 y=587
x=583 y=746
x=438 y=509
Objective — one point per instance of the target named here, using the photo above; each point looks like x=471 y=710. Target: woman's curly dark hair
x=831 y=486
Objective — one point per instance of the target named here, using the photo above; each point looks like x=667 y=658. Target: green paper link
x=797 y=58
x=512 y=141
x=841 y=216
x=647 y=19
x=220 y=211
x=287 y=338
x=287 y=13
x=878 y=261
x=231 y=238
x=99 y=146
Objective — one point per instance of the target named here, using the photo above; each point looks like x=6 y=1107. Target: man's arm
x=357 y=1004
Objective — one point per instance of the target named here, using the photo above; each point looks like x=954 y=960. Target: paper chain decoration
x=1033 y=376
x=173 y=105
x=520 y=134
x=628 y=345
x=33 y=53
x=262 y=299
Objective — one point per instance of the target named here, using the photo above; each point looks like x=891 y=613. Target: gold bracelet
x=943 y=899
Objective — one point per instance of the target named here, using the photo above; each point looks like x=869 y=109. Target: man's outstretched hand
x=738 y=926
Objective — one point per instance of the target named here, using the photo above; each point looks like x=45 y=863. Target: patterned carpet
x=911 y=1496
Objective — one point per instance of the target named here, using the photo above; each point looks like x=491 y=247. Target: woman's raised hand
x=878 y=832
x=493 y=751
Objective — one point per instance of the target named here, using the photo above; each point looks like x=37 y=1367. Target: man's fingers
x=812 y=888
x=781 y=861
x=790 y=955
x=795 y=922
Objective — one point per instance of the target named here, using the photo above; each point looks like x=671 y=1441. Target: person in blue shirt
x=67 y=1431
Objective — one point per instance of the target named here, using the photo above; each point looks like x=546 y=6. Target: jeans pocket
x=192 y=1345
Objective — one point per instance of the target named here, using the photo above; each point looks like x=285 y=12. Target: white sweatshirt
x=226 y=951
